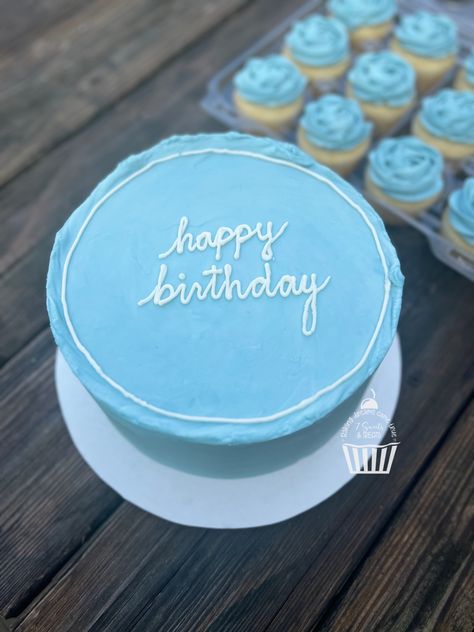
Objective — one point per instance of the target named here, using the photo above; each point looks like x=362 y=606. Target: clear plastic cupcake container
x=218 y=103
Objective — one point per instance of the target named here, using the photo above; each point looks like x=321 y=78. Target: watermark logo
x=362 y=434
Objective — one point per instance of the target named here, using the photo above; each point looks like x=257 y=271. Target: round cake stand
x=204 y=501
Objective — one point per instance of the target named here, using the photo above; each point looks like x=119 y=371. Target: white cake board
x=204 y=501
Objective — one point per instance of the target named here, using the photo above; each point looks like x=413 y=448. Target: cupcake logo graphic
x=362 y=434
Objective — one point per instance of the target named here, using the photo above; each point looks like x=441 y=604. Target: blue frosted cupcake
x=333 y=130
x=446 y=121
x=269 y=90
x=367 y=20
x=465 y=75
x=384 y=85
x=429 y=41
x=319 y=47
x=405 y=173
x=458 y=218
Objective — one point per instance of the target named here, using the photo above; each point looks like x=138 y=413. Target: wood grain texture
x=236 y=580
x=50 y=501
x=25 y=20
x=143 y=551
x=84 y=63
x=420 y=575
x=34 y=206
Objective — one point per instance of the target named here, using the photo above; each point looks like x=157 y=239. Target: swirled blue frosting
x=318 y=41
x=355 y=13
x=461 y=211
x=428 y=34
x=406 y=168
x=468 y=65
x=449 y=114
x=271 y=81
x=334 y=122
x=383 y=77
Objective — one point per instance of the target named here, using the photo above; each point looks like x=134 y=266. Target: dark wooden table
x=83 y=85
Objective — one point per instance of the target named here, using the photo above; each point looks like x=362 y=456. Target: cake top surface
x=223 y=288
x=449 y=114
x=335 y=122
x=384 y=78
x=318 y=41
x=428 y=34
x=406 y=168
x=272 y=80
x=356 y=13
x=461 y=211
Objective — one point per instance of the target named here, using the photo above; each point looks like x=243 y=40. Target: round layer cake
x=223 y=289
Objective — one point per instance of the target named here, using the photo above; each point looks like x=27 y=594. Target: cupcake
x=319 y=47
x=333 y=130
x=429 y=41
x=367 y=20
x=269 y=90
x=404 y=173
x=384 y=85
x=465 y=75
x=458 y=219
x=446 y=121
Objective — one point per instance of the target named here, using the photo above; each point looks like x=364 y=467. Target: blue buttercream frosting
x=383 y=77
x=449 y=114
x=406 y=169
x=468 y=65
x=318 y=41
x=461 y=211
x=428 y=34
x=335 y=122
x=356 y=13
x=271 y=81
x=223 y=367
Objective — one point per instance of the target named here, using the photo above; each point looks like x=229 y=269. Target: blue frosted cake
x=223 y=289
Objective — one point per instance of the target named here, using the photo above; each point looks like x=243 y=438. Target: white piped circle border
x=303 y=403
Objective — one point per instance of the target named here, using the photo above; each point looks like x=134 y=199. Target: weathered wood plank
x=142 y=550
x=417 y=578
x=50 y=501
x=33 y=207
x=458 y=612
x=25 y=20
x=84 y=63
x=243 y=580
